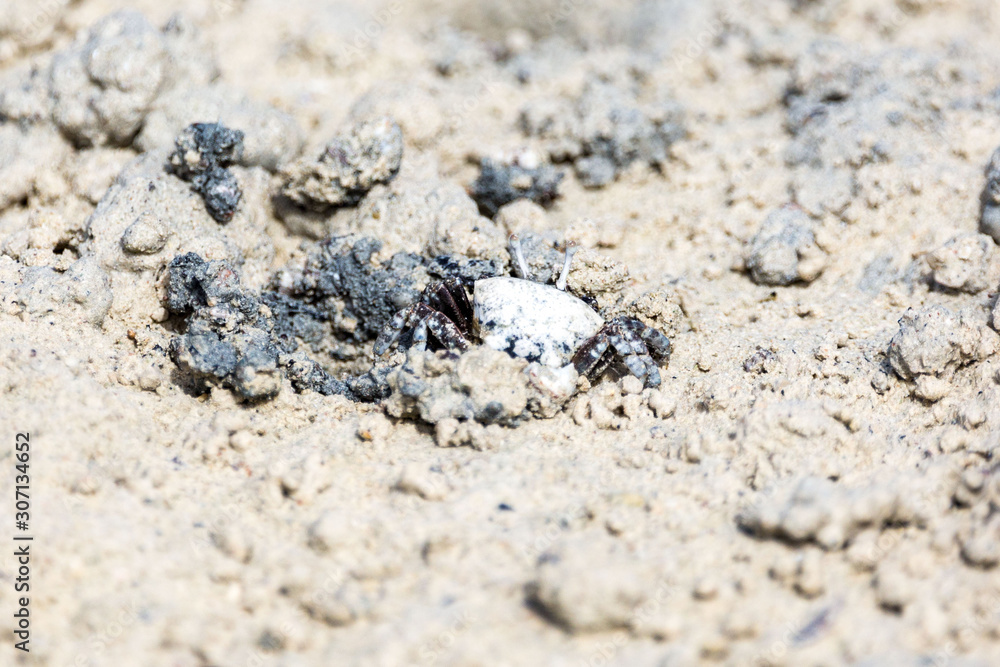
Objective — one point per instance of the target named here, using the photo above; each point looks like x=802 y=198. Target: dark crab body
x=530 y=320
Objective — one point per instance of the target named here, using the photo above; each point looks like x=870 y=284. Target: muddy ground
x=799 y=193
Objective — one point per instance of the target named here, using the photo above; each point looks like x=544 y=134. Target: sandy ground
x=813 y=482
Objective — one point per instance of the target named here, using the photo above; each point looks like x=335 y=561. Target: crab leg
x=631 y=351
x=658 y=344
x=635 y=334
x=445 y=330
x=390 y=333
x=453 y=302
x=590 y=353
x=419 y=334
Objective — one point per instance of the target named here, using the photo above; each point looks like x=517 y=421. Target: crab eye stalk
x=515 y=251
x=564 y=275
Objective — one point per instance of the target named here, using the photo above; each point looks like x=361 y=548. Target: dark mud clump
x=241 y=340
x=500 y=184
x=359 y=294
x=203 y=153
x=605 y=130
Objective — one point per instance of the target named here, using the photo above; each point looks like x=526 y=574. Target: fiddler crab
x=531 y=320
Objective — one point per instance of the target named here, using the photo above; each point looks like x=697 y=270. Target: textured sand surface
x=798 y=192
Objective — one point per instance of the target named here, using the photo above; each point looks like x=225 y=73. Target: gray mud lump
x=359 y=294
x=500 y=184
x=247 y=341
x=369 y=153
x=223 y=341
x=784 y=250
x=605 y=130
x=846 y=107
x=850 y=110
x=239 y=339
x=203 y=151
